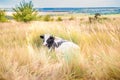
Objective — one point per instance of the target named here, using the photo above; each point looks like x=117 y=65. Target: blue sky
x=63 y=3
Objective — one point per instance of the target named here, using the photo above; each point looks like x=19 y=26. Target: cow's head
x=48 y=40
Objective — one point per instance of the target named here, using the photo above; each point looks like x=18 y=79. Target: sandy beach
x=43 y=13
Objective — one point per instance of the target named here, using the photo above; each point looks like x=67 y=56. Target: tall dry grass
x=22 y=57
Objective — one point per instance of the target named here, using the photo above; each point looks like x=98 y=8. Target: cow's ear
x=42 y=36
x=51 y=37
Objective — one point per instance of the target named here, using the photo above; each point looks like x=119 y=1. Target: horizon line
x=73 y=7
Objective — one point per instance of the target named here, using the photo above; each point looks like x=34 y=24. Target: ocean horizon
x=89 y=10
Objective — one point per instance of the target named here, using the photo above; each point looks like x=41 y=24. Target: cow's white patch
x=67 y=47
x=46 y=36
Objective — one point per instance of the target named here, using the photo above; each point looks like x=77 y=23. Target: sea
x=90 y=10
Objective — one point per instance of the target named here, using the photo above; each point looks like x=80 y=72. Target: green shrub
x=71 y=18
x=25 y=12
x=52 y=19
x=46 y=18
x=2 y=16
x=59 y=19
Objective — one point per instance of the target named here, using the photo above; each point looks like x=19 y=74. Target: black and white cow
x=58 y=44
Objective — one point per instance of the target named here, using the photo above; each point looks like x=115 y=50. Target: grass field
x=22 y=56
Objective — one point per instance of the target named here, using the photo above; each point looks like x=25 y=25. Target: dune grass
x=23 y=57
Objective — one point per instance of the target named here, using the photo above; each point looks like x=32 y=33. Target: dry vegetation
x=23 y=58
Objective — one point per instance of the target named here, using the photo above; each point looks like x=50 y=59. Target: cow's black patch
x=50 y=41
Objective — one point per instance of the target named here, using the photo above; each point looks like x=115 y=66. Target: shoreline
x=43 y=13
x=8 y=13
